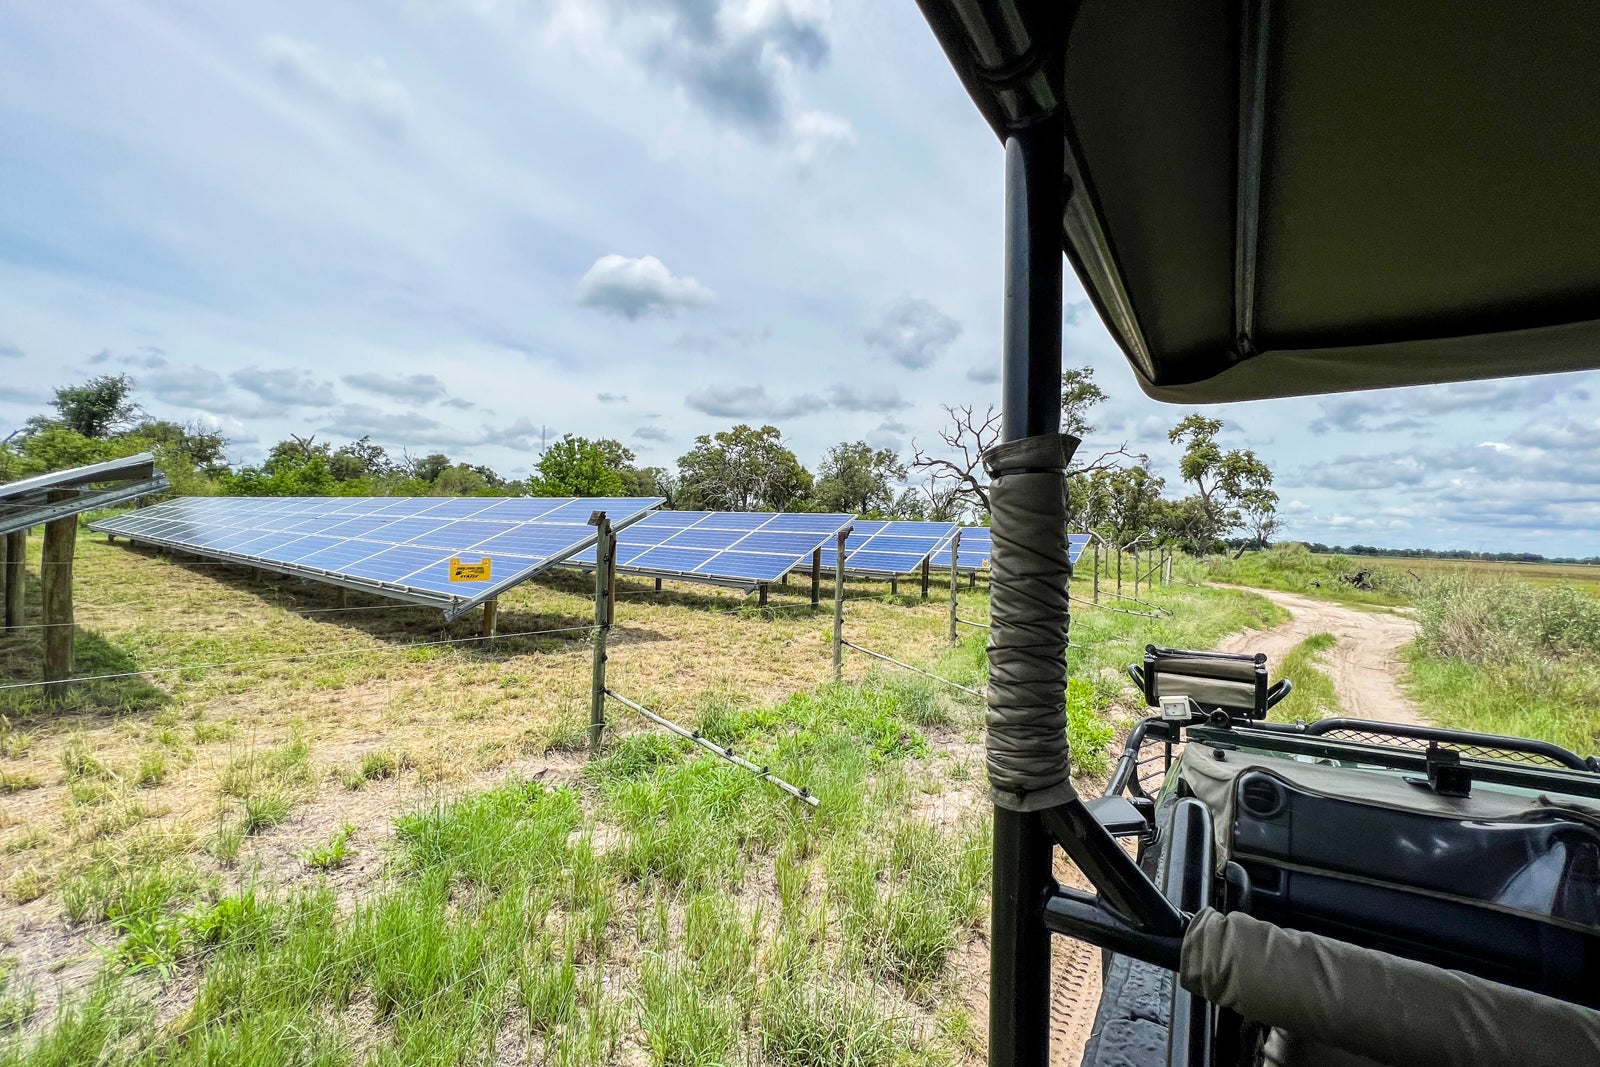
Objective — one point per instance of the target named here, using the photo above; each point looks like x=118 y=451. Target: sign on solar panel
x=399 y=547
x=737 y=548
x=892 y=548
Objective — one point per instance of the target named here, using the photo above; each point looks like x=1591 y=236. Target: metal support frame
x=1019 y=953
x=491 y=618
x=761 y=595
x=926 y=567
x=605 y=554
x=816 y=577
x=838 y=609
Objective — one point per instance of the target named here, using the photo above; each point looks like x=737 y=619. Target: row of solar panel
x=731 y=547
x=402 y=547
x=407 y=543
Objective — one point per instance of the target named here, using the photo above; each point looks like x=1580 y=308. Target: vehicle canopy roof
x=1274 y=199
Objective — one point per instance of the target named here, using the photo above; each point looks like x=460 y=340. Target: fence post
x=55 y=585
x=838 y=608
x=604 y=555
x=955 y=548
x=16 y=577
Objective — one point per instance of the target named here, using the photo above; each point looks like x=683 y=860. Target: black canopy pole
x=1019 y=975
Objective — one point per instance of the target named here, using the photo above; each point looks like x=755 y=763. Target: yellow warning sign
x=462 y=571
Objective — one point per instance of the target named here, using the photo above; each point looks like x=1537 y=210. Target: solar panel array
x=400 y=547
x=977 y=548
x=742 y=549
x=892 y=548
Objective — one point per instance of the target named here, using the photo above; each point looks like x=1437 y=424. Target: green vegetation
x=1294 y=568
x=1506 y=657
x=1313 y=696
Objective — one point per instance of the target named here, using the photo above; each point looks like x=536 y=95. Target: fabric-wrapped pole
x=1321 y=991
x=1029 y=768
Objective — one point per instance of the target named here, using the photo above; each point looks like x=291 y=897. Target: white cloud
x=611 y=398
x=365 y=90
x=285 y=387
x=752 y=402
x=10 y=351
x=652 y=433
x=816 y=136
x=634 y=288
x=913 y=332
x=417 y=387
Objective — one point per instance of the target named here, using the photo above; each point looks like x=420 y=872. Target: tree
x=576 y=466
x=466 y=480
x=958 y=477
x=742 y=469
x=1121 y=502
x=97 y=409
x=1079 y=394
x=1226 y=483
x=858 y=479
x=429 y=467
x=360 y=459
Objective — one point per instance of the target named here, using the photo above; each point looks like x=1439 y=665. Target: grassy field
x=1580 y=576
x=317 y=836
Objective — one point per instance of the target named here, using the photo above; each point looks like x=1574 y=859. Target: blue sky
x=459 y=224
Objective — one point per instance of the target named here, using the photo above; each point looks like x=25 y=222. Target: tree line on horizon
x=743 y=468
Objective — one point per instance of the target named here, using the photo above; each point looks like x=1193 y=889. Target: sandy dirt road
x=1363 y=665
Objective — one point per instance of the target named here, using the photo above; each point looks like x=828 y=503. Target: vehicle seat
x=1230 y=682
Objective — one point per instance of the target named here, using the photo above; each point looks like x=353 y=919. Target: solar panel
x=45 y=497
x=741 y=549
x=892 y=548
x=400 y=547
x=977 y=548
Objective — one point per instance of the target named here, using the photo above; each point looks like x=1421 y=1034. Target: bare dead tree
x=961 y=475
x=959 y=479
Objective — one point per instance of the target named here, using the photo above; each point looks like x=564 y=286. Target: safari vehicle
x=1269 y=198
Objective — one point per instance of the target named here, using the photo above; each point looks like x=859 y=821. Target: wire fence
x=363 y=650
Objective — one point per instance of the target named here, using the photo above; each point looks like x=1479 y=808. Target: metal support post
x=16 y=577
x=761 y=594
x=926 y=561
x=894 y=586
x=838 y=609
x=491 y=617
x=605 y=553
x=658 y=585
x=1097 y=572
x=816 y=577
x=1019 y=959
x=955 y=578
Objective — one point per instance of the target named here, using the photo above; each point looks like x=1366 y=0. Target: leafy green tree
x=1120 y=502
x=1079 y=395
x=429 y=467
x=742 y=469
x=858 y=479
x=463 y=480
x=1227 y=483
x=576 y=466
x=98 y=409
x=360 y=459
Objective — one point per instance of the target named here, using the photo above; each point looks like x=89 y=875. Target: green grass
x=1504 y=657
x=1313 y=696
x=1294 y=568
